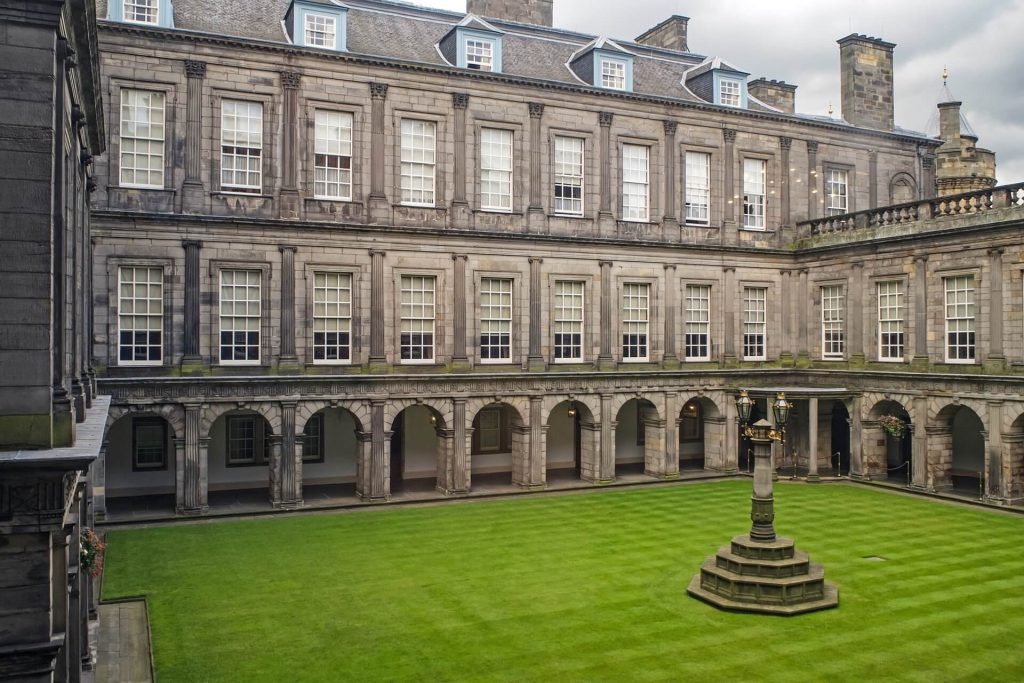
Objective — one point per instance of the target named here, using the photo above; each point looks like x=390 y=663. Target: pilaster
x=535 y=360
x=671 y=360
x=671 y=191
x=192 y=473
x=377 y=360
x=785 y=202
x=460 y=361
x=813 y=200
x=786 y=356
x=290 y=205
x=995 y=360
x=606 y=219
x=803 y=356
x=193 y=195
x=288 y=361
x=812 y=439
x=729 y=230
x=605 y=361
x=729 y=316
x=191 y=361
x=856 y=314
x=461 y=216
x=379 y=210
x=536 y=216
x=919 y=361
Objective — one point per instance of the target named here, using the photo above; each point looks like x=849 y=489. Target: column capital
x=536 y=259
x=996 y=252
x=456 y=257
x=605 y=264
x=378 y=91
x=857 y=265
x=605 y=118
x=920 y=258
x=670 y=126
x=291 y=403
x=198 y=244
x=536 y=110
x=785 y=142
x=785 y=272
x=377 y=252
x=669 y=266
x=291 y=79
x=286 y=247
x=729 y=135
x=812 y=147
x=872 y=155
x=195 y=68
x=729 y=269
x=460 y=400
x=460 y=100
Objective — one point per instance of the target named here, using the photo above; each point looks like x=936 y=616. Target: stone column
x=376 y=484
x=604 y=118
x=459 y=358
x=729 y=316
x=378 y=202
x=919 y=446
x=535 y=360
x=670 y=449
x=730 y=458
x=872 y=179
x=98 y=476
x=762 y=502
x=536 y=145
x=291 y=460
x=813 y=205
x=812 y=439
x=785 y=208
x=671 y=192
x=288 y=356
x=59 y=590
x=927 y=189
x=732 y=194
x=290 y=205
x=461 y=215
x=605 y=360
x=606 y=462
x=994 y=359
x=856 y=441
x=802 y=332
x=377 y=359
x=193 y=196
x=994 y=453
x=536 y=468
x=460 y=449
x=671 y=285
x=192 y=474
x=856 y=314
x=786 y=356
x=920 y=285
x=191 y=359
x=274 y=466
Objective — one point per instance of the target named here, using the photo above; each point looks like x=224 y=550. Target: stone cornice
x=198 y=37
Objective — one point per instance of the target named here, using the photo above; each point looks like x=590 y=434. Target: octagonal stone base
x=768 y=578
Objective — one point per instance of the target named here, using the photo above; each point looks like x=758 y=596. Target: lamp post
x=762 y=434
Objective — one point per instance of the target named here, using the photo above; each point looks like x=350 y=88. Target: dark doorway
x=577 y=450
x=840 y=431
x=397 y=453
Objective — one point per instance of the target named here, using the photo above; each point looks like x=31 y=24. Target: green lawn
x=578 y=587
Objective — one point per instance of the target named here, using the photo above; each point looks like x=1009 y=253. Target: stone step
x=779 y=549
x=798 y=565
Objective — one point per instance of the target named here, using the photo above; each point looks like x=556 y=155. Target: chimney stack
x=669 y=34
x=949 y=123
x=778 y=94
x=865 y=66
x=536 y=12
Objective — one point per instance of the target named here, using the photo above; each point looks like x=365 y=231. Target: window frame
x=826 y=179
x=723 y=81
x=247 y=190
x=151 y=4
x=216 y=268
x=317 y=111
x=972 y=320
x=510 y=320
x=313 y=317
x=123 y=90
x=646 y=292
x=319 y=436
x=646 y=216
x=745 y=321
x=259 y=437
x=687 y=322
x=399 y=318
x=478 y=441
x=602 y=76
x=687 y=187
x=830 y=293
x=401 y=165
x=555 y=175
x=162 y=270
x=556 y=281
x=900 y=307
x=484 y=130
x=337 y=12
x=744 y=225
x=149 y=420
x=313 y=15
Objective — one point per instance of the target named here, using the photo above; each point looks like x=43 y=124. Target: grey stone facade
x=665 y=407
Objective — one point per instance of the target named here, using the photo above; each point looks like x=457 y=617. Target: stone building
x=373 y=246
x=51 y=419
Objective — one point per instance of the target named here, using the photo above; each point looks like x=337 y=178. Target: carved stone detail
x=378 y=90
x=291 y=79
x=195 y=69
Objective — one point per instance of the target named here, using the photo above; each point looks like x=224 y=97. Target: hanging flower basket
x=91 y=551
x=892 y=425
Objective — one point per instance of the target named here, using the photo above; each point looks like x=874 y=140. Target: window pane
x=568 y=321
x=698 y=188
x=332 y=318
x=495 y=319
x=495 y=169
x=836 y=192
x=890 y=320
x=635 y=181
x=613 y=74
x=960 y=339
x=635 y=320
x=240 y=316
x=569 y=175
x=479 y=54
x=754 y=322
x=241 y=146
x=320 y=30
x=754 y=191
x=418 y=152
x=417 y=318
x=142 y=138
x=142 y=11
x=833 y=306
x=698 y=322
x=140 y=315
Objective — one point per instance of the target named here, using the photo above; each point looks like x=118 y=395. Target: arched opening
x=572 y=442
x=639 y=438
x=499 y=439
x=758 y=411
x=415 y=444
x=330 y=454
x=839 y=438
x=968 y=461
x=1013 y=472
x=240 y=448
x=887 y=455
x=701 y=435
x=140 y=464
x=902 y=189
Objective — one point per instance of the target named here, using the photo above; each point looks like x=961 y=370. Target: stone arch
x=870 y=408
x=902 y=188
x=644 y=440
x=1013 y=456
x=173 y=413
x=440 y=408
x=956 y=445
x=515 y=442
x=701 y=433
x=886 y=456
x=571 y=441
x=590 y=402
x=268 y=409
x=520 y=404
x=358 y=409
x=656 y=400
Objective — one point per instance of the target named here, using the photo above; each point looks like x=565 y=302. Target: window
x=495 y=320
x=417 y=319
x=837 y=191
x=489 y=429
x=754 y=189
x=890 y=321
x=142 y=138
x=569 y=176
x=140 y=315
x=332 y=318
x=418 y=156
x=149 y=443
x=691 y=426
x=240 y=316
x=698 y=188
x=568 y=327
x=698 y=322
x=754 y=322
x=495 y=170
x=729 y=92
x=321 y=30
x=313 y=439
x=959 y=318
x=833 y=303
x=636 y=299
x=613 y=74
x=635 y=181
x=244 y=436
x=241 y=151
x=142 y=11
x=333 y=155
x=479 y=54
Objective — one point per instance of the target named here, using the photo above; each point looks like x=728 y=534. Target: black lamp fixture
x=781 y=408
x=744 y=405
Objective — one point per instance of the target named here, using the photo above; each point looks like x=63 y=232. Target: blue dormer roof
x=587 y=63
x=714 y=79
x=472 y=28
x=164 y=14
x=317 y=15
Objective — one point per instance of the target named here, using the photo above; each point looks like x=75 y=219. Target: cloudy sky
x=980 y=41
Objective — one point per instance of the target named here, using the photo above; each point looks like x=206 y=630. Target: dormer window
x=729 y=92
x=613 y=74
x=479 y=54
x=142 y=11
x=317 y=25
x=321 y=30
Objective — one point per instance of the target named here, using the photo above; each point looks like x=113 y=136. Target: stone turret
x=960 y=165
